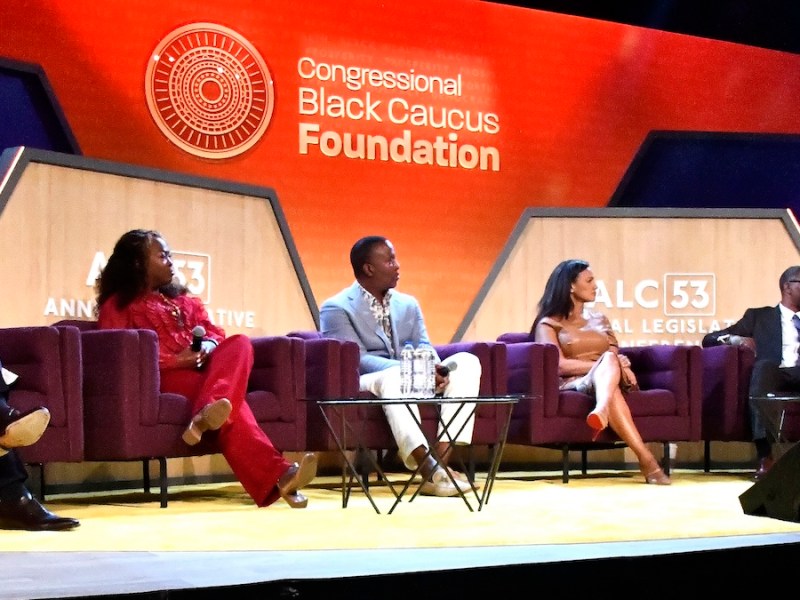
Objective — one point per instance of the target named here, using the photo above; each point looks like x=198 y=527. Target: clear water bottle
x=419 y=379
x=407 y=370
x=430 y=371
x=424 y=372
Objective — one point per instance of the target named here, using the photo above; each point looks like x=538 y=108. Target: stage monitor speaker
x=777 y=495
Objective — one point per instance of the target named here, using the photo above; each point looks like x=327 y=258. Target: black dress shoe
x=764 y=465
x=20 y=510
x=22 y=428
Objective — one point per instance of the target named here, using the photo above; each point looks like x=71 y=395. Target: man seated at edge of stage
x=18 y=508
x=773 y=333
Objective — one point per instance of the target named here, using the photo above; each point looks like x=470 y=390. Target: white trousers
x=464 y=382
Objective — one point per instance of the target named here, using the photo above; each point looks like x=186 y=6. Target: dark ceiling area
x=772 y=24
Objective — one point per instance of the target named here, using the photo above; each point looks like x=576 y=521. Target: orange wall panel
x=572 y=100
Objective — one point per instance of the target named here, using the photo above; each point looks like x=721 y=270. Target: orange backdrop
x=570 y=99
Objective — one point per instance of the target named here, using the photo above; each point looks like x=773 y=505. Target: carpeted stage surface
x=212 y=536
x=602 y=507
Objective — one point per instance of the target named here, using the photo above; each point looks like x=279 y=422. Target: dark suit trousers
x=769 y=377
x=12 y=470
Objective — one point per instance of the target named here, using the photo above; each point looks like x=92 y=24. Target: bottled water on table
x=424 y=372
x=407 y=370
x=430 y=373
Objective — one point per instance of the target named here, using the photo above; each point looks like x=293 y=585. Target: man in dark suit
x=380 y=320
x=18 y=508
x=773 y=333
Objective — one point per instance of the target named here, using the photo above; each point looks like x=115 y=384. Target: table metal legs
x=350 y=471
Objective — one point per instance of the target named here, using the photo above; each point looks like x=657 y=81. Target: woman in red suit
x=137 y=290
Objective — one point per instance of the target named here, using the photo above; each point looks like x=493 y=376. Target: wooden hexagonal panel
x=60 y=216
x=665 y=276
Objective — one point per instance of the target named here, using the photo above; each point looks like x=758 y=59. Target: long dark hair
x=556 y=301
x=125 y=273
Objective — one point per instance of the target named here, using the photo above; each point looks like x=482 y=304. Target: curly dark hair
x=125 y=273
x=556 y=300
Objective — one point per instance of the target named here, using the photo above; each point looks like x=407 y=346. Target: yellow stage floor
x=522 y=510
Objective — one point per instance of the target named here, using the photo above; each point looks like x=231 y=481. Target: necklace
x=173 y=309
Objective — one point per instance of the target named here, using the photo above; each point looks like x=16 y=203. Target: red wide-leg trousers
x=256 y=463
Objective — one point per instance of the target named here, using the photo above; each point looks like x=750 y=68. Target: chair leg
x=41 y=482
x=584 y=461
x=667 y=466
x=380 y=456
x=146 y=475
x=565 y=463
x=471 y=468
x=363 y=464
x=707 y=456
x=162 y=469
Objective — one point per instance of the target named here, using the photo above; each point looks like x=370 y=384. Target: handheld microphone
x=197 y=337
x=445 y=369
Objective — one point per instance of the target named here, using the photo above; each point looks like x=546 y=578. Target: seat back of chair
x=49 y=365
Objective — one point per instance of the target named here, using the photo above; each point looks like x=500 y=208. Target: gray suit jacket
x=346 y=316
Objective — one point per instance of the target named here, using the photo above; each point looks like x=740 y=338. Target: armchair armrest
x=661 y=366
x=484 y=354
x=279 y=368
x=533 y=371
x=726 y=386
x=120 y=388
x=514 y=337
x=331 y=369
x=323 y=357
x=323 y=369
x=676 y=368
x=48 y=362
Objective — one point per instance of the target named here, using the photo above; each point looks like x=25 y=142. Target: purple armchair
x=666 y=409
x=489 y=419
x=375 y=433
x=726 y=411
x=726 y=379
x=127 y=418
x=331 y=372
x=48 y=362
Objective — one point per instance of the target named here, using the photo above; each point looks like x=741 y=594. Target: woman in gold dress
x=589 y=357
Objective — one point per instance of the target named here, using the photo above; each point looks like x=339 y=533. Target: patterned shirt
x=380 y=310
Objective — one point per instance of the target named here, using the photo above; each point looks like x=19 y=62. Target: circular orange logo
x=209 y=90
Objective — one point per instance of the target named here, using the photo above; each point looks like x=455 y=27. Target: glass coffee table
x=773 y=408
x=348 y=436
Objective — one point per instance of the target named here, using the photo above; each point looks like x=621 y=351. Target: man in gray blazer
x=773 y=333
x=380 y=320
